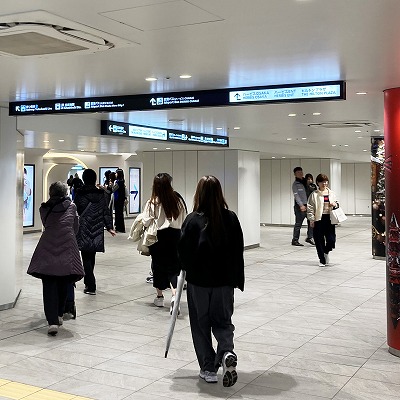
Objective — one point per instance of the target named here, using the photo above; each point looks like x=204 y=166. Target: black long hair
x=163 y=192
x=210 y=201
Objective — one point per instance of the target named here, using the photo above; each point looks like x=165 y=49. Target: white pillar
x=11 y=167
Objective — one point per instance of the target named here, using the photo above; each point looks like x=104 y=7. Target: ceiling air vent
x=40 y=33
x=342 y=124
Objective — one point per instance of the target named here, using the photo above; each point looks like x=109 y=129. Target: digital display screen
x=134 y=190
x=302 y=92
x=169 y=135
x=28 y=195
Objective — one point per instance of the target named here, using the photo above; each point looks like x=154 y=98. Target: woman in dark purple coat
x=56 y=260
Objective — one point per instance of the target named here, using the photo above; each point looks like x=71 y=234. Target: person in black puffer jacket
x=94 y=215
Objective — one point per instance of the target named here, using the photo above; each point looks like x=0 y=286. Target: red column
x=392 y=185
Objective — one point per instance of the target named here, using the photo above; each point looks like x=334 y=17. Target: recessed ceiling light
x=334 y=145
x=151 y=79
x=82 y=150
x=273 y=157
x=303 y=138
x=46 y=141
x=168 y=148
x=361 y=93
x=346 y=145
x=357 y=131
x=365 y=150
x=292 y=115
x=236 y=127
x=61 y=140
x=289 y=138
x=154 y=148
x=316 y=113
x=283 y=157
x=185 y=76
x=360 y=137
x=218 y=129
x=377 y=130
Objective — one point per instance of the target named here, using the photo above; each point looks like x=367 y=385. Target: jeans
x=300 y=215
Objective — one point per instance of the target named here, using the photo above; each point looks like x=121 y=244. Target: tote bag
x=337 y=215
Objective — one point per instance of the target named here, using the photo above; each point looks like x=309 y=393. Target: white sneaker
x=229 y=362
x=53 y=330
x=326 y=259
x=209 y=377
x=159 y=301
x=321 y=265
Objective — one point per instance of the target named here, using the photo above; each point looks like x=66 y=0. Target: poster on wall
x=28 y=195
x=134 y=190
x=378 y=197
x=102 y=171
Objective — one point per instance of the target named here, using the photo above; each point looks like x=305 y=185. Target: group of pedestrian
x=69 y=227
x=314 y=202
x=207 y=243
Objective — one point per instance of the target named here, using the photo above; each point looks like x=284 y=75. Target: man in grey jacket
x=300 y=207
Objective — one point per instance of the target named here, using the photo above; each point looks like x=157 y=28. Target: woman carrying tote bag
x=319 y=206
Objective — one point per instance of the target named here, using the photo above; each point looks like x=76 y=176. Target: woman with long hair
x=211 y=252
x=120 y=195
x=168 y=210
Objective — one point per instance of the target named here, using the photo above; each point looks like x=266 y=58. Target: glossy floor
x=302 y=332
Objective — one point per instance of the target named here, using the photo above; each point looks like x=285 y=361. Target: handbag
x=337 y=215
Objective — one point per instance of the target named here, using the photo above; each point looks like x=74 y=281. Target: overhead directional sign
x=319 y=91
x=170 y=135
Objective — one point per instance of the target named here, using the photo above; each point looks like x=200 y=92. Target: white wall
x=238 y=172
x=12 y=167
x=351 y=183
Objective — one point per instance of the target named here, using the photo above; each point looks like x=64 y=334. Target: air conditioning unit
x=40 y=33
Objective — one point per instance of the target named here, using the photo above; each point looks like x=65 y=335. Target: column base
x=393 y=351
x=10 y=305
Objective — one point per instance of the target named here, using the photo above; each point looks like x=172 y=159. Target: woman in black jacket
x=211 y=252
x=120 y=196
x=94 y=215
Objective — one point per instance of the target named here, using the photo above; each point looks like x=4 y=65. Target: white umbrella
x=179 y=289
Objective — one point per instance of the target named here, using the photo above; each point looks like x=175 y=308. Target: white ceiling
x=222 y=44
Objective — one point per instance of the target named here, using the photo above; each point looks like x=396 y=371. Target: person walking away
x=76 y=184
x=120 y=195
x=167 y=209
x=94 y=215
x=300 y=207
x=319 y=205
x=211 y=253
x=56 y=259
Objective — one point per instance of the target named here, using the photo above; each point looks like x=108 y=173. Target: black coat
x=208 y=264
x=93 y=219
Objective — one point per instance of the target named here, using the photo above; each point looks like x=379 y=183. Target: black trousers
x=119 y=215
x=54 y=297
x=210 y=311
x=324 y=237
x=88 y=261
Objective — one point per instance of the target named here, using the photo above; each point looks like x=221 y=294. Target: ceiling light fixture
x=236 y=128
x=361 y=93
x=218 y=129
x=357 y=131
x=151 y=79
x=334 y=145
x=292 y=115
x=46 y=141
x=360 y=137
x=185 y=76
x=377 y=130
x=289 y=138
x=346 y=145
x=316 y=113
x=61 y=140
x=154 y=148
x=365 y=150
x=283 y=157
x=168 y=148
x=303 y=138
x=273 y=157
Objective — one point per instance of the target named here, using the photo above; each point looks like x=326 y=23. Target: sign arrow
x=237 y=96
x=153 y=101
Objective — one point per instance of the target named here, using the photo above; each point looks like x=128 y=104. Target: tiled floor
x=302 y=332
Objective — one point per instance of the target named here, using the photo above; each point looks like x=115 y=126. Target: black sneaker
x=87 y=291
x=311 y=241
x=296 y=243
